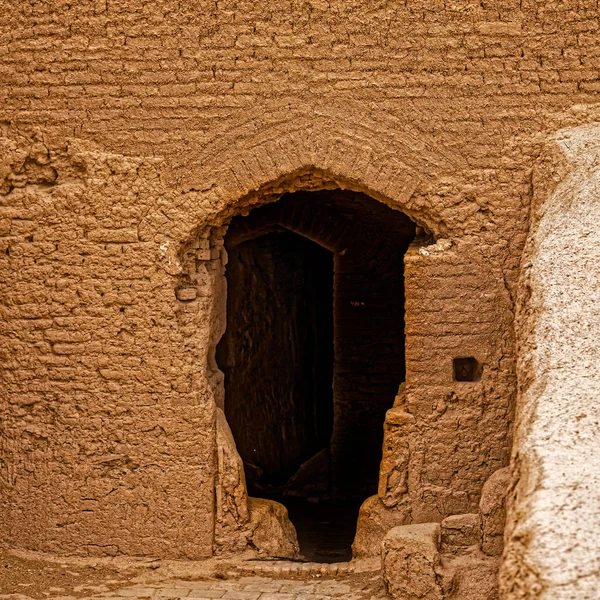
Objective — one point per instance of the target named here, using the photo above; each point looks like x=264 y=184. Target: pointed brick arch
x=345 y=144
x=255 y=161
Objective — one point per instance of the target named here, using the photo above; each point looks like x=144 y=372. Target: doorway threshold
x=295 y=568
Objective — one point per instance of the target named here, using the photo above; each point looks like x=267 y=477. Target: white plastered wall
x=553 y=549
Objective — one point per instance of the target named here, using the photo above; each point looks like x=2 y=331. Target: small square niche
x=466 y=369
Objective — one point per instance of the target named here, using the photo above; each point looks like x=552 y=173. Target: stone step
x=283 y=568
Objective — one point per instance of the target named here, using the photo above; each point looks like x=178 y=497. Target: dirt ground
x=23 y=576
x=33 y=576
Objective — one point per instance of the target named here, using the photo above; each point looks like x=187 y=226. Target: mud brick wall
x=456 y=307
x=104 y=441
x=437 y=110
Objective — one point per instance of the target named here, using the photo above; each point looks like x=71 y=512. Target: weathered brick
x=460 y=99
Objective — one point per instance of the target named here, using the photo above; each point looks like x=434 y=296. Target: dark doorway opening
x=278 y=355
x=313 y=354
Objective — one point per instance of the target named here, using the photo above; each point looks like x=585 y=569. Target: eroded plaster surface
x=114 y=304
x=132 y=132
x=554 y=520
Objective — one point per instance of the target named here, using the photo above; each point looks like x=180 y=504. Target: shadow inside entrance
x=325 y=529
x=313 y=354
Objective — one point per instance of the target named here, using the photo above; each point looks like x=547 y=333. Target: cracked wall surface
x=133 y=131
x=553 y=518
x=113 y=307
x=100 y=420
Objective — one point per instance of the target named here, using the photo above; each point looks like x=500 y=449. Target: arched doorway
x=313 y=353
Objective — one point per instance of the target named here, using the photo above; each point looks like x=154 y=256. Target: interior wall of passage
x=277 y=355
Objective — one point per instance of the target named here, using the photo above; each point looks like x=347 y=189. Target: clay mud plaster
x=127 y=359
x=135 y=135
x=553 y=507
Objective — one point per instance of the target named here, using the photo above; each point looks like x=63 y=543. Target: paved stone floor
x=33 y=576
x=251 y=588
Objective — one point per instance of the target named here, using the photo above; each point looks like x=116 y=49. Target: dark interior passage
x=277 y=355
x=313 y=354
x=325 y=529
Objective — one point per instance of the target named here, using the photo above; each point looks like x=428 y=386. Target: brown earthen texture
x=492 y=510
x=440 y=431
x=453 y=560
x=411 y=562
x=133 y=132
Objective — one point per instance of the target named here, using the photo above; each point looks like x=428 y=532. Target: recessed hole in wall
x=467 y=369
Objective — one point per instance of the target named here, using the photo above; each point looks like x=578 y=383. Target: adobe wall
x=457 y=306
x=445 y=437
x=553 y=516
x=157 y=122
x=106 y=435
x=112 y=313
